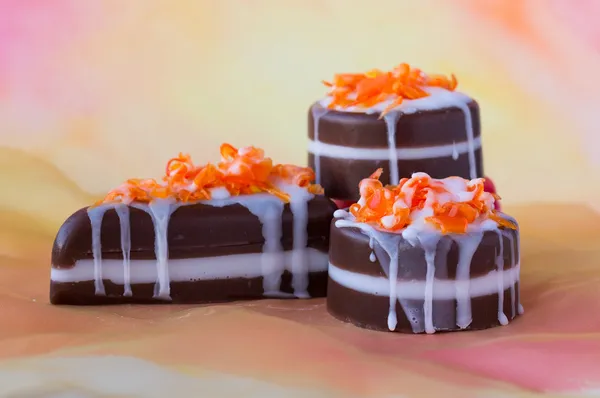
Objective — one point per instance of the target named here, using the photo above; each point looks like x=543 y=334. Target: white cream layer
x=429 y=152
x=248 y=265
x=443 y=289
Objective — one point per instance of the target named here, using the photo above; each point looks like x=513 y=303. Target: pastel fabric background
x=94 y=92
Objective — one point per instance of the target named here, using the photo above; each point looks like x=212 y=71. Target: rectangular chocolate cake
x=142 y=246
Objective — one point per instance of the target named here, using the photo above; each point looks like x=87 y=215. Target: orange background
x=94 y=92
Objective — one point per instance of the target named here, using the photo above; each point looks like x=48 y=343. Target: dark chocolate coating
x=340 y=177
x=194 y=231
x=370 y=312
x=194 y=292
x=197 y=230
x=350 y=251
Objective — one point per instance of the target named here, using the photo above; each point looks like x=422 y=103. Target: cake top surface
x=450 y=205
x=383 y=91
x=243 y=171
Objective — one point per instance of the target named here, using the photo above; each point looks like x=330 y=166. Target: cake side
x=424 y=128
x=424 y=256
x=359 y=292
x=403 y=121
x=204 y=234
x=196 y=230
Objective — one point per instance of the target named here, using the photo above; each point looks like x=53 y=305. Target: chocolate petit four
x=426 y=255
x=402 y=120
x=241 y=229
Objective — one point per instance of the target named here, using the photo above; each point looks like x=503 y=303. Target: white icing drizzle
x=393 y=277
x=123 y=213
x=454 y=151
x=317 y=113
x=268 y=209
x=299 y=198
x=390 y=244
x=470 y=137
x=445 y=289
x=467 y=245
x=500 y=266
x=372 y=256
x=96 y=214
x=391 y=119
x=160 y=210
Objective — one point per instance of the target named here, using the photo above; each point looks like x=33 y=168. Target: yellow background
x=94 y=92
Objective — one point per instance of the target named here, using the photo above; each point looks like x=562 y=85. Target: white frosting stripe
x=445 y=289
x=429 y=152
x=189 y=269
x=160 y=210
x=299 y=198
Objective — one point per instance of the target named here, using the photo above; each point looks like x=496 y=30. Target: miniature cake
x=426 y=255
x=403 y=121
x=241 y=229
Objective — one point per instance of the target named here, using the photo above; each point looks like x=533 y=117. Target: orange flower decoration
x=450 y=204
x=243 y=171
x=368 y=89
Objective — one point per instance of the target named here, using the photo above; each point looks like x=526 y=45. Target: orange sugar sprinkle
x=243 y=171
x=393 y=208
x=373 y=87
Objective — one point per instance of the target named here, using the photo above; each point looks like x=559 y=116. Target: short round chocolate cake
x=424 y=256
x=241 y=229
x=403 y=121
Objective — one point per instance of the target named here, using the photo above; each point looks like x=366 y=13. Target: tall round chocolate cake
x=403 y=121
x=426 y=255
